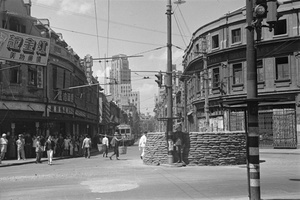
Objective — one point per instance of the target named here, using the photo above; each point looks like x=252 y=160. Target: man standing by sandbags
x=142 y=144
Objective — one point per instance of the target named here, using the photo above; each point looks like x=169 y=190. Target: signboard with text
x=23 y=48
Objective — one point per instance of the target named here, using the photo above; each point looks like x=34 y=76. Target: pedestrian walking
x=49 y=145
x=86 y=145
x=67 y=141
x=43 y=141
x=142 y=144
x=115 y=143
x=76 y=146
x=33 y=147
x=60 y=145
x=71 y=147
x=20 y=147
x=3 y=146
x=55 y=140
x=28 y=144
x=105 y=145
x=80 y=150
x=38 y=150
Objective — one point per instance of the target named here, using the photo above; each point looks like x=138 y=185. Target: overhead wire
x=123 y=40
x=190 y=35
x=108 y=23
x=99 y=19
x=179 y=29
x=98 y=43
x=148 y=51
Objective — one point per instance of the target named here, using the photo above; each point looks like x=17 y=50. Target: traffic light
x=260 y=9
x=272 y=15
x=159 y=79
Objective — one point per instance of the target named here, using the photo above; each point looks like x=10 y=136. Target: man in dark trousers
x=179 y=142
x=115 y=142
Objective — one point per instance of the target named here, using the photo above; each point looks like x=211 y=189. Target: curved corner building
x=40 y=77
x=215 y=75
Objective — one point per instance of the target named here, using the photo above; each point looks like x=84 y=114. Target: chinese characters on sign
x=23 y=48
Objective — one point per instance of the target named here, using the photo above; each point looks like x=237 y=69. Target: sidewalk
x=279 y=151
x=7 y=163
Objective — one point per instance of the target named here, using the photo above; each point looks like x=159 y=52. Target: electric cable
x=99 y=19
x=190 y=35
x=179 y=29
x=108 y=22
x=117 y=39
x=98 y=43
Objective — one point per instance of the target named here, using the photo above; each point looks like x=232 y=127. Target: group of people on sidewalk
x=49 y=147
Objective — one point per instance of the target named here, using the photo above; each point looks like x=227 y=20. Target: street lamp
x=169 y=82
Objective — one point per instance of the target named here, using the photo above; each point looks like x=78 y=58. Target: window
x=280 y=27
x=54 y=77
x=32 y=76
x=15 y=25
x=15 y=75
x=0 y=72
x=282 y=68
x=260 y=71
x=216 y=77
x=236 y=35
x=237 y=74
x=4 y=24
x=215 y=41
x=197 y=49
x=198 y=82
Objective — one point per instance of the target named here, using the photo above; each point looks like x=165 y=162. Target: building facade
x=215 y=76
x=120 y=83
x=41 y=78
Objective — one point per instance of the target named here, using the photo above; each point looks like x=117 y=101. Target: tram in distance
x=125 y=131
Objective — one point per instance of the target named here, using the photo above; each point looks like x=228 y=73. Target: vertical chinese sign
x=23 y=48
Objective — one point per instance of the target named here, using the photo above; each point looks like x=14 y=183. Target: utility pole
x=169 y=84
x=252 y=132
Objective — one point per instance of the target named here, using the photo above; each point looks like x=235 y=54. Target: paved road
x=129 y=178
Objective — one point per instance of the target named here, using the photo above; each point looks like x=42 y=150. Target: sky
x=104 y=28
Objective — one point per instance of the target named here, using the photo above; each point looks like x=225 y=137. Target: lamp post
x=169 y=82
x=253 y=167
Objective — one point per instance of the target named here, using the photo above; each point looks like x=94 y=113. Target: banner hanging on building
x=23 y=48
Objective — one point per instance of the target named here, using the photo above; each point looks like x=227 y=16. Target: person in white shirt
x=105 y=145
x=3 y=146
x=86 y=145
x=67 y=141
x=142 y=144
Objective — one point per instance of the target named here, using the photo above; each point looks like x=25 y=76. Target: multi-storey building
x=215 y=72
x=120 y=83
x=41 y=78
x=161 y=101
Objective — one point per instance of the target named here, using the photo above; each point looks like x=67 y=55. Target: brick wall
x=201 y=148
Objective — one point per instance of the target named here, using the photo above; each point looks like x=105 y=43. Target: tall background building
x=120 y=83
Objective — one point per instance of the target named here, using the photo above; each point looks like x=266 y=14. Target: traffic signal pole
x=169 y=84
x=252 y=132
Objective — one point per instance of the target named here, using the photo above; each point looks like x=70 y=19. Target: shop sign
x=23 y=48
